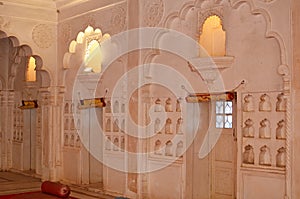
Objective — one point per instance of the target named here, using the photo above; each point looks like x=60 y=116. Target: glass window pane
x=228 y=121
x=228 y=107
x=219 y=107
x=219 y=121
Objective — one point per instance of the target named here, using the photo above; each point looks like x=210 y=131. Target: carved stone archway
x=14 y=89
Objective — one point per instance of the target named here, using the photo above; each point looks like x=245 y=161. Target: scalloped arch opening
x=213 y=37
x=87 y=50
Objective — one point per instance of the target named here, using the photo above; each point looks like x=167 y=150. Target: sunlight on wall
x=31 y=73
x=213 y=37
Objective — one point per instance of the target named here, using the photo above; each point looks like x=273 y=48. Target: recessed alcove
x=213 y=37
x=30 y=71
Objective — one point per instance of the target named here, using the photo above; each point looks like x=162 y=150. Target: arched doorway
x=21 y=107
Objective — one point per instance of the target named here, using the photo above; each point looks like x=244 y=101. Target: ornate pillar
x=51 y=116
x=44 y=101
x=284 y=71
x=57 y=132
x=7 y=106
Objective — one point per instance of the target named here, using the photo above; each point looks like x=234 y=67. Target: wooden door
x=92 y=171
x=223 y=155
x=29 y=140
x=212 y=176
x=95 y=165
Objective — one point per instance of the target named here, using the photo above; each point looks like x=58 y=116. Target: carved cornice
x=209 y=68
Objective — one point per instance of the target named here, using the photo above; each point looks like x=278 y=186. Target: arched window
x=93 y=54
x=212 y=38
x=93 y=57
x=30 y=72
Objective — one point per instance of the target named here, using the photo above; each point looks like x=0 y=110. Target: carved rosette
x=43 y=35
x=118 y=20
x=154 y=10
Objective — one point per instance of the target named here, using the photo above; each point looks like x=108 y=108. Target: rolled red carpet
x=57 y=189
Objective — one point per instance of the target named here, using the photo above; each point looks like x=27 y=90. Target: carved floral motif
x=154 y=10
x=66 y=32
x=43 y=35
x=118 y=19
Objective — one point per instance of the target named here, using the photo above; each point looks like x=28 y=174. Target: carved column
x=45 y=135
x=284 y=71
x=7 y=107
x=289 y=137
x=58 y=130
x=51 y=112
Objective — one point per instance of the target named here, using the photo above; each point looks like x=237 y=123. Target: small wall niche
x=280 y=130
x=168 y=128
x=157 y=147
x=31 y=72
x=179 y=149
x=281 y=103
x=213 y=37
x=158 y=107
x=116 y=144
x=281 y=157
x=168 y=150
x=248 y=129
x=248 y=105
x=265 y=156
x=179 y=127
x=264 y=129
x=168 y=105
x=248 y=155
x=265 y=104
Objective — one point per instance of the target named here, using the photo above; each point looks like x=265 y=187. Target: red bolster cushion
x=57 y=189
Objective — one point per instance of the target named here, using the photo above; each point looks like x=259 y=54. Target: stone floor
x=11 y=182
x=17 y=183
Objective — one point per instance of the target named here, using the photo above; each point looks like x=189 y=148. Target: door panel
x=214 y=176
x=223 y=159
x=200 y=166
x=92 y=171
x=29 y=137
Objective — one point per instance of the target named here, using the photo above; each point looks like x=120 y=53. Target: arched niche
x=213 y=37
